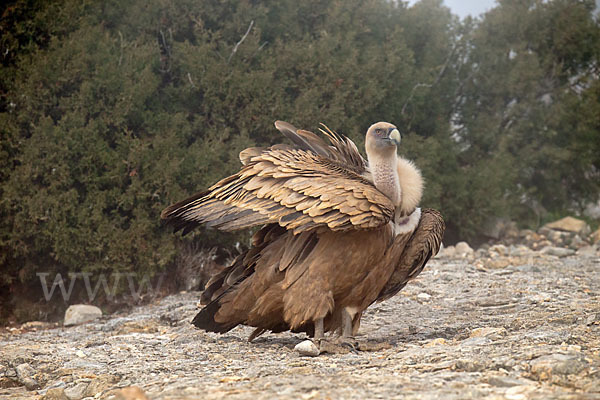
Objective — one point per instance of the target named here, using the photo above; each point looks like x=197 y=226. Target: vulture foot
x=340 y=345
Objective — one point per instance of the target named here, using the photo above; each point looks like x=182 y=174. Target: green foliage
x=112 y=110
x=531 y=98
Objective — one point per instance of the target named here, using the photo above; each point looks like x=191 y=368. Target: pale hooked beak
x=395 y=136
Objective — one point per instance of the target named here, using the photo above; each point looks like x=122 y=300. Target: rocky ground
x=502 y=323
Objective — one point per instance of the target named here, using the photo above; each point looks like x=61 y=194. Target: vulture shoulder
x=307 y=185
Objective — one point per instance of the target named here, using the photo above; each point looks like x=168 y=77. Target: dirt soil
x=525 y=326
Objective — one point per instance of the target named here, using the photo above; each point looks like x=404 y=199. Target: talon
x=338 y=346
x=350 y=342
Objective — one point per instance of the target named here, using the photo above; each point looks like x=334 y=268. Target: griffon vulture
x=339 y=232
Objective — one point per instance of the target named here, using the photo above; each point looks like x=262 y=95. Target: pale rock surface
x=512 y=327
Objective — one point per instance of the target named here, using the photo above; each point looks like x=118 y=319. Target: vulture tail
x=205 y=319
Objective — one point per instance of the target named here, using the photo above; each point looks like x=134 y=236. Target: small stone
x=577 y=242
x=523 y=233
x=504 y=381
x=593 y=319
x=557 y=251
x=55 y=394
x=80 y=313
x=25 y=375
x=100 y=384
x=519 y=251
x=448 y=252
x=307 y=348
x=423 y=296
x=595 y=237
x=519 y=392
x=77 y=392
x=36 y=325
x=544 y=243
x=234 y=378
x=145 y=326
x=468 y=365
x=500 y=249
x=544 y=367
x=436 y=342
x=463 y=249
x=588 y=251
x=10 y=373
x=490 y=332
x=80 y=354
x=130 y=393
x=557 y=237
x=480 y=253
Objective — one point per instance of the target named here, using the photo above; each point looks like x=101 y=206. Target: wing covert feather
x=298 y=189
x=424 y=243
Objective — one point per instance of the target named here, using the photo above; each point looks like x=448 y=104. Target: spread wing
x=300 y=187
x=423 y=244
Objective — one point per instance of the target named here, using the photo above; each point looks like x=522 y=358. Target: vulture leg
x=346 y=324
x=319 y=331
x=343 y=344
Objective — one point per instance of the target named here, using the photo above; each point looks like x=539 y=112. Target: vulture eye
x=379 y=131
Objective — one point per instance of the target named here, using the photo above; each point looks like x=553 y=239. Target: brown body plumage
x=337 y=236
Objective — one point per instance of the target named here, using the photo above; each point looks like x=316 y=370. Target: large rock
x=589 y=251
x=55 y=394
x=557 y=251
x=77 y=392
x=569 y=224
x=595 y=237
x=447 y=252
x=463 y=249
x=80 y=313
x=26 y=376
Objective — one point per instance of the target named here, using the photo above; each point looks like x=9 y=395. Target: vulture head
x=381 y=143
x=382 y=138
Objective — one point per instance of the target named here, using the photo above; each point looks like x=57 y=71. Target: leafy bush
x=113 y=110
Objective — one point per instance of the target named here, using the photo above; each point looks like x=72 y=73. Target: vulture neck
x=384 y=170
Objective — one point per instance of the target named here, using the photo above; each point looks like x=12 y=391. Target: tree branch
x=191 y=81
x=121 y=45
x=437 y=79
x=235 y=48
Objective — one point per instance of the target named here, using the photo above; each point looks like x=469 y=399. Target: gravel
x=490 y=327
